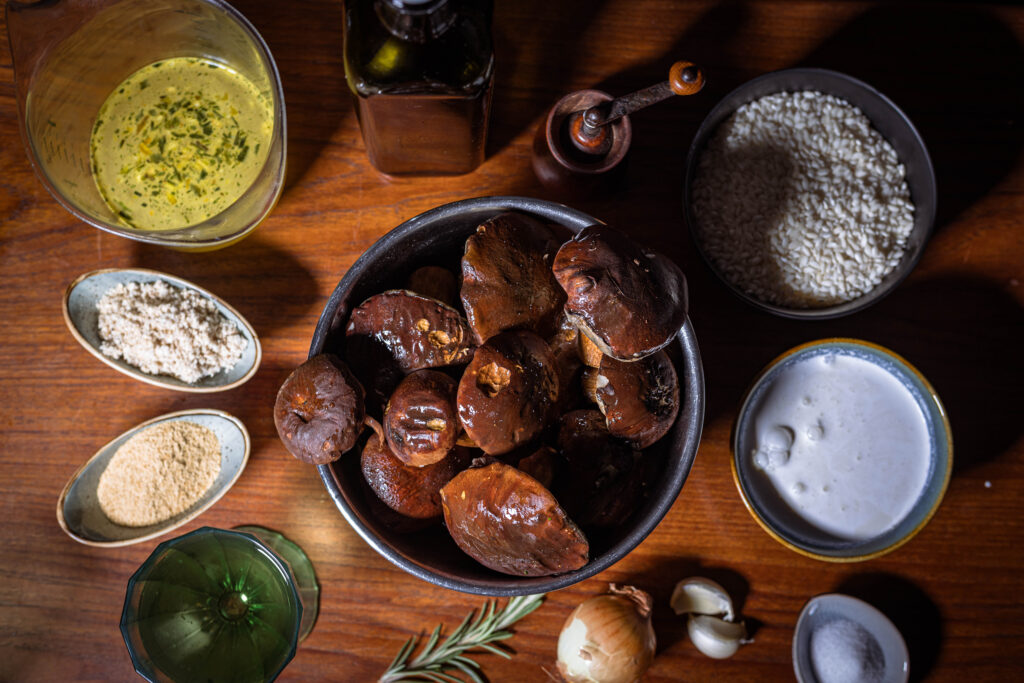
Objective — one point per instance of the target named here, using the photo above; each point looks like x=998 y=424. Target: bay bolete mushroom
x=505 y=520
x=603 y=478
x=416 y=331
x=506 y=277
x=319 y=410
x=628 y=300
x=420 y=423
x=507 y=392
x=640 y=400
x=411 y=491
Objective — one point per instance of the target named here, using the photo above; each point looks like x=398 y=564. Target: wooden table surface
x=954 y=590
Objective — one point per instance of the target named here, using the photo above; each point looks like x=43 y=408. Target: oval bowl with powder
x=841 y=638
x=82 y=318
x=787 y=175
x=841 y=450
x=78 y=509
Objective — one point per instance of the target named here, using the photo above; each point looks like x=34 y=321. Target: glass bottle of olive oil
x=421 y=74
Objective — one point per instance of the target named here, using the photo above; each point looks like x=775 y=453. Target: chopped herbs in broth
x=178 y=142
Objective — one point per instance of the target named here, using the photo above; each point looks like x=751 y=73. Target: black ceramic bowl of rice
x=438 y=238
x=809 y=193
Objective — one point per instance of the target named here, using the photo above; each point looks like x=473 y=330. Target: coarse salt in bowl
x=795 y=202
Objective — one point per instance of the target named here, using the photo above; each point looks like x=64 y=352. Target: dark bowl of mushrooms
x=503 y=395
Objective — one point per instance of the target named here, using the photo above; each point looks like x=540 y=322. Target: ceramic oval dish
x=775 y=515
x=823 y=609
x=82 y=319
x=78 y=509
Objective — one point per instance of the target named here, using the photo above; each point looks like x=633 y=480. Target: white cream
x=844 y=443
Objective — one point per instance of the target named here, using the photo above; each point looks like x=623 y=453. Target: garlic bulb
x=711 y=619
x=608 y=638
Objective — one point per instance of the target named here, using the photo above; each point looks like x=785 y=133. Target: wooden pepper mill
x=580 y=147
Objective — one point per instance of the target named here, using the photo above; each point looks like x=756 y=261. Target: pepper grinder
x=580 y=147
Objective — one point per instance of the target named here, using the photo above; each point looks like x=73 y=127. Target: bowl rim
x=900 y=272
x=510 y=585
x=764 y=523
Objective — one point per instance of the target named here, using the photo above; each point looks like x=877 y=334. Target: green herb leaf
x=437 y=661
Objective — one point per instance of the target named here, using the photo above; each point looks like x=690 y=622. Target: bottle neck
x=416 y=22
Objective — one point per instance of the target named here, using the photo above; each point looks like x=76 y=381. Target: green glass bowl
x=212 y=605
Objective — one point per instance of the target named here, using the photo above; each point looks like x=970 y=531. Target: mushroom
x=411 y=491
x=434 y=282
x=396 y=332
x=640 y=400
x=540 y=465
x=603 y=478
x=319 y=410
x=418 y=332
x=420 y=423
x=507 y=392
x=506 y=277
x=628 y=300
x=504 y=519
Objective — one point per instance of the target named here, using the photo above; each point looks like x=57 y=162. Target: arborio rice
x=800 y=202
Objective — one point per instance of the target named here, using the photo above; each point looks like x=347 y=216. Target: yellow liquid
x=179 y=141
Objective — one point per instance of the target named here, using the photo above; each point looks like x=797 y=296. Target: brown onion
x=608 y=639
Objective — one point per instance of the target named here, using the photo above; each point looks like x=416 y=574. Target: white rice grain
x=800 y=202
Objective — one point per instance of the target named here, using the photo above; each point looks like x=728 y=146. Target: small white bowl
x=82 y=318
x=78 y=509
x=825 y=608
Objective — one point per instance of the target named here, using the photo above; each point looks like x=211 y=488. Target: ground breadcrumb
x=159 y=473
x=164 y=330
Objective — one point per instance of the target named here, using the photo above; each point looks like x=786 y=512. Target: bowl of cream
x=842 y=450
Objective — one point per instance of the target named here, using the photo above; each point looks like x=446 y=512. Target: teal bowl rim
x=148 y=672
x=940 y=470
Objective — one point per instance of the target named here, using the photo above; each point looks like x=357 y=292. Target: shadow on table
x=956 y=72
x=551 y=70
x=660 y=580
x=280 y=296
x=914 y=614
x=306 y=41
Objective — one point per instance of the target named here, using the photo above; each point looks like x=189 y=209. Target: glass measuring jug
x=69 y=55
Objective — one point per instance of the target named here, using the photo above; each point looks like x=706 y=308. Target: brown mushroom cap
x=418 y=332
x=640 y=400
x=628 y=300
x=319 y=410
x=507 y=391
x=506 y=277
x=434 y=282
x=603 y=478
x=412 y=491
x=420 y=422
x=540 y=465
x=504 y=519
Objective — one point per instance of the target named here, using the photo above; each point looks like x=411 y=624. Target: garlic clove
x=698 y=595
x=716 y=638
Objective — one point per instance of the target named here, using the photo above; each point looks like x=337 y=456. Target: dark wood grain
x=954 y=590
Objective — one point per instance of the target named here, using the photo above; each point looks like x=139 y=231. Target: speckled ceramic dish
x=438 y=237
x=82 y=318
x=889 y=662
x=885 y=116
x=78 y=509
x=778 y=518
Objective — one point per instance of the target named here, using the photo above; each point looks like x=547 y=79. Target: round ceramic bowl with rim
x=885 y=117
x=777 y=517
x=437 y=237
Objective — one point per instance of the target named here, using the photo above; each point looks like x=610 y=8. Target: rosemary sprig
x=439 y=663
